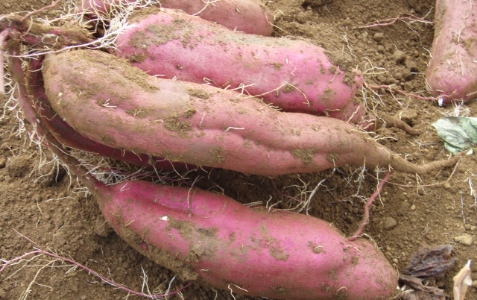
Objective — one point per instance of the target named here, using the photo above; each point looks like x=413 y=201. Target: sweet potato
x=452 y=71
x=249 y=16
x=107 y=100
x=294 y=75
x=213 y=239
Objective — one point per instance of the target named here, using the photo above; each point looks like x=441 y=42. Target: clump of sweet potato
x=211 y=239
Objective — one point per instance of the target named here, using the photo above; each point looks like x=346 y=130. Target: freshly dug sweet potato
x=294 y=75
x=107 y=100
x=215 y=240
x=452 y=70
x=249 y=16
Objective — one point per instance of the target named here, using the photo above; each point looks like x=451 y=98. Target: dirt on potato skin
x=43 y=206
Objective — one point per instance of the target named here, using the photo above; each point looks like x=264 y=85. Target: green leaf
x=459 y=133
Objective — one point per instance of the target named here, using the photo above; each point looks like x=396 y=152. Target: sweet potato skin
x=107 y=100
x=248 y=16
x=452 y=72
x=294 y=75
x=213 y=239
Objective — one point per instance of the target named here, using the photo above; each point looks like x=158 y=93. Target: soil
x=43 y=208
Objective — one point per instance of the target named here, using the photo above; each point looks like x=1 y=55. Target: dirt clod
x=389 y=223
x=18 y=166
x=399 y=56
x=464 y=239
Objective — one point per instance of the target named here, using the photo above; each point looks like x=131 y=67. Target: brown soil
x=39 y=202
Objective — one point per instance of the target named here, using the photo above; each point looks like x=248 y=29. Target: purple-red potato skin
x=107 y=100
x=212 y=239
x=249 y=16
x=452 y=70
x=294 y=75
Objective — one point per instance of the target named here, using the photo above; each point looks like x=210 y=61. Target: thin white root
x=117 y=19
x=473 y=192
x=207 y=3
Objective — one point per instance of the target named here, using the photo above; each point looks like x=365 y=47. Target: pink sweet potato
x=215 y=240
x=249 y=16
x=294 y=75
x=107 y=100
x=452 y=71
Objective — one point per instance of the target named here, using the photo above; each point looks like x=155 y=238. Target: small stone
x=473 y=228
x=447 y=185
x=399 y=57
x=389 y=223
x=413 y=207
x=464 y=239
x=378 y=36
x=59 y=239
x=3 y=162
